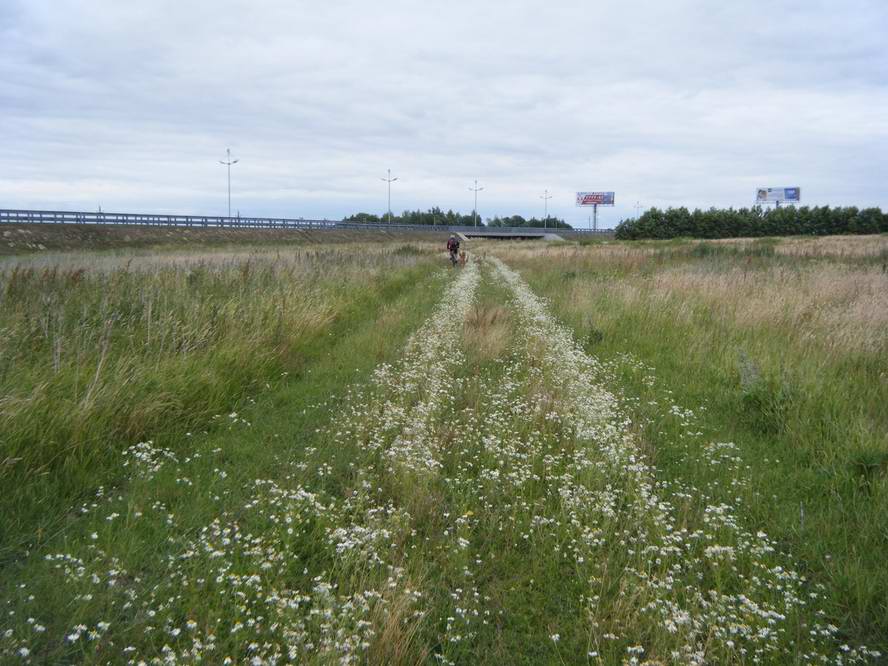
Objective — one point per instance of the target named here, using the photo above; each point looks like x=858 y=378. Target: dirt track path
x=485 y=499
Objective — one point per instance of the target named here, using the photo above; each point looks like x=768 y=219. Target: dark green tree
x=753 y=222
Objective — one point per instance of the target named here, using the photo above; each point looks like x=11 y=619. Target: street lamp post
x=545 y=197
x=389 y=180
x=228 y=162
x=475 y=189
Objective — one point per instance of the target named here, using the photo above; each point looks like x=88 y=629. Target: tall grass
x=786 y=345
x=661 y=484
x=93 y=361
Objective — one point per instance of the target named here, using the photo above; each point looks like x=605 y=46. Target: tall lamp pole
x=475 y=189
x=637 y=208
x=389 y=180
x=228 y=162
x=545 y=197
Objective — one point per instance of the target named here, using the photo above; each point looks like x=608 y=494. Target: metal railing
x=223 y=222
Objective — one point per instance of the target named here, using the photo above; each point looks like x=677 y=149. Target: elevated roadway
x=16 y=216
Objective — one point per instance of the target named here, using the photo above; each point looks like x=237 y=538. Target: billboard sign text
x=595 y=198
x=778 y=194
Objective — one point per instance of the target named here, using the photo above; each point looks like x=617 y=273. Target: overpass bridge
x=511 y=233
x=15 y=216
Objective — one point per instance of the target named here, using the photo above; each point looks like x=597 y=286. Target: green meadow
x=661 y=452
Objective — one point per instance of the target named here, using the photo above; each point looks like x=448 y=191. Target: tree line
x=450 y=218
x=518 y=221
x=755 y=221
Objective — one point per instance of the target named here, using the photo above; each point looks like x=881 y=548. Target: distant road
x=204 y=221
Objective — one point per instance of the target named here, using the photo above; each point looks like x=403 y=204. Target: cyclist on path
x=453 y=249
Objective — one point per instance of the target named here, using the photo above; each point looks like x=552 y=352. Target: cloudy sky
x=130 y=105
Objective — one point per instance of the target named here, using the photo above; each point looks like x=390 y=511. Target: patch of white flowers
x=422 y=385
x=661 y=561
x=543 y=466
x=316 y=576
x=145 y=459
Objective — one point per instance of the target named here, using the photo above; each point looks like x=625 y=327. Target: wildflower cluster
x=145 y=459
x=662 y=561
x=423 y=385
x=450 y=508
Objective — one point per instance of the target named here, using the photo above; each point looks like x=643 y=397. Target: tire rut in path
x=671 y=575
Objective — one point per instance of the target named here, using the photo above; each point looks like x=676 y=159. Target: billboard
x=595 y=198
x=778 y=194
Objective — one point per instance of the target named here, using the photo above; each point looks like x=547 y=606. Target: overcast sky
x=130 y=105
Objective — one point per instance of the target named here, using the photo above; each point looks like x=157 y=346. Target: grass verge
x=787 y=363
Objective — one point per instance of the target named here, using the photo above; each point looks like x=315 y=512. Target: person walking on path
x=453 y=249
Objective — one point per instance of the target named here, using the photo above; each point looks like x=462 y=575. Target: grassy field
x=601 y=453
x=19 y=239
x=100 y=352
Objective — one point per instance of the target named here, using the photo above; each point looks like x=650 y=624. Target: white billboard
x=778 y=194
x=595 y=198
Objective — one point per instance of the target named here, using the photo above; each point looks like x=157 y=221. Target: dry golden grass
x=395 y=631
x=839 y=247
x=486 y=331
x=24 y=239
x=149 y=260
x=614 y=252
x=840 y=304
x=633 y=255
x=840 y=307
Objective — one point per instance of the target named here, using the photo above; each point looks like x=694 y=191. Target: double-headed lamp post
x=545 y=196
x=389 y=180
x=475 y=189
x=228 y=162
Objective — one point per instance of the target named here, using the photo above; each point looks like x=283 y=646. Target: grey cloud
x=687 y=102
